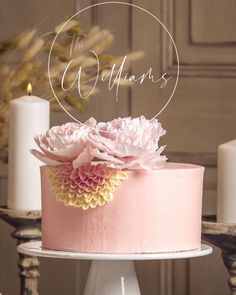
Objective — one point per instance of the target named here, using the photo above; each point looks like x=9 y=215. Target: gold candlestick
x=223 y=236
x=27 y=227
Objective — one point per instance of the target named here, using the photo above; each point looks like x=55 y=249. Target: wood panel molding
x=197 y=58
x=204 y=159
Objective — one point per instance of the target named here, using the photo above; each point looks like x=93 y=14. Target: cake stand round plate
x=110 y=273
x=35 y=249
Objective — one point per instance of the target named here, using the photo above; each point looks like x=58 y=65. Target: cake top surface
x=182 y=166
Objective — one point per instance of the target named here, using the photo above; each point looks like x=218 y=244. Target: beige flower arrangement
x=24 y=59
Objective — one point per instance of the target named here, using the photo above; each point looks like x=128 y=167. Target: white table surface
x=35 y=249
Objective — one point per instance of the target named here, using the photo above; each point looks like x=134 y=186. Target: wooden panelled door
x=202 y=114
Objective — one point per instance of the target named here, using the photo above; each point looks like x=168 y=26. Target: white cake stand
x=110 y=274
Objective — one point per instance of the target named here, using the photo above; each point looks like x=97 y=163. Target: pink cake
x=152 y=211
x=131 y=204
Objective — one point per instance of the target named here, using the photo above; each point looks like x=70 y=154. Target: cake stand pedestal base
x=112 y=277
x=110 y=273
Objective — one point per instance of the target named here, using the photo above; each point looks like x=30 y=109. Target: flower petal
x=44 y=158
x=105 y=156
x=83 y=158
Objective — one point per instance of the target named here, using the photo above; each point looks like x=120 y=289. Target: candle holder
x=27 y=226
x=223 y=236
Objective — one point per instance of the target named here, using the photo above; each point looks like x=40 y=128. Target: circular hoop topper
x=114 y=66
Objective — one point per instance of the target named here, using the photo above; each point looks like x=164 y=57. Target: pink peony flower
x=128 y=143
x=121 y=143
x=66 y=143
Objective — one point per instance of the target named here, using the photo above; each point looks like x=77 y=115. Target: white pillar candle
x=226 y=191
x=29 y=115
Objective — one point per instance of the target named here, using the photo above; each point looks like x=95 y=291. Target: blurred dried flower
x=25 y=39
x=4 y=114
x=24 y=59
